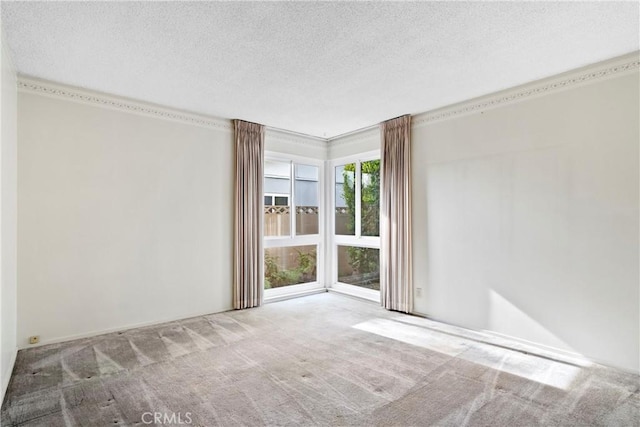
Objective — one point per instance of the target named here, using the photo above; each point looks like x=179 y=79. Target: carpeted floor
x=319 y=360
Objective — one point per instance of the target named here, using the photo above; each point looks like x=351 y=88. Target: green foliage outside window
x=362 y=260
x=275 y=277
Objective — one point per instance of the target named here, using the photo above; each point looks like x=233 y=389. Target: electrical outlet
x=418 y=292
x=34 y=339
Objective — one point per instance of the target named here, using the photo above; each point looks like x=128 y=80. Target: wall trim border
x=578 y=77
x=286 y=136
x=85 y=96
x=610 y=68
x=595 y=72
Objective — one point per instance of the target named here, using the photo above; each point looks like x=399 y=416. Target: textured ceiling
x=317 y=68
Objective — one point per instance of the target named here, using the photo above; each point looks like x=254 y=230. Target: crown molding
x=281 y=135
x=356 y=132
x=368 y=133
x=579 y=77
x=585 y=75
x=84 y=96
x=611 y=68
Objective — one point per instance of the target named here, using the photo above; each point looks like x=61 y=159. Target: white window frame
x=303 y=240
x=273 y=198
x=335 y=240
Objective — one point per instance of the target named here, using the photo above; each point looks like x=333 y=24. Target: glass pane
x=267 y=200
x=359 y=266
x=307 y=172
x=277 y=183
x=346 y=199
x=289 y=266
x=370 y=198
x=275 y=168
x=282 y=201
x=306 y=189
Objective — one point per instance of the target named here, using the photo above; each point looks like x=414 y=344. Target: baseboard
x=563 y=352
x=492 y=337
x=559 y=351
x=151 y=323
x=534 y=348
x=117 y=329
x=90 y=334
x=6 y=379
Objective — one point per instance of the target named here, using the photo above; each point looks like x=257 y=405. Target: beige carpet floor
x=325 y=359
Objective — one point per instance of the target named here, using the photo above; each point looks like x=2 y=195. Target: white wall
x=124 y=219
x=295 y=144
x=354 y=144
x=525 y=216
x=8 y=216
x=525 y=219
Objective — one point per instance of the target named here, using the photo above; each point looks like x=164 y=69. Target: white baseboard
x=563 y=352
x=534 y=348
x=556 y=350
x=57 y=340
x=6 y=377
x=90 y=334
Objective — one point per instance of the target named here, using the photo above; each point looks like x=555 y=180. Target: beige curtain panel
x=396 y=285
x=248 y=258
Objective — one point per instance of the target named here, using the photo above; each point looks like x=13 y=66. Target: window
x=306 y=192
x=276 y=200
x=277 y=191
x=356 y=225
x=370 y=198
x=292 y=224
x=359 y=266
x=290 y=265
x=345 y=185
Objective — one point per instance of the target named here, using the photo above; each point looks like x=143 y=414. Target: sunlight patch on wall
x=505 y=318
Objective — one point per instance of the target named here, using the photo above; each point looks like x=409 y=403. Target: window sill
x=270 y=297
x=355 y=291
